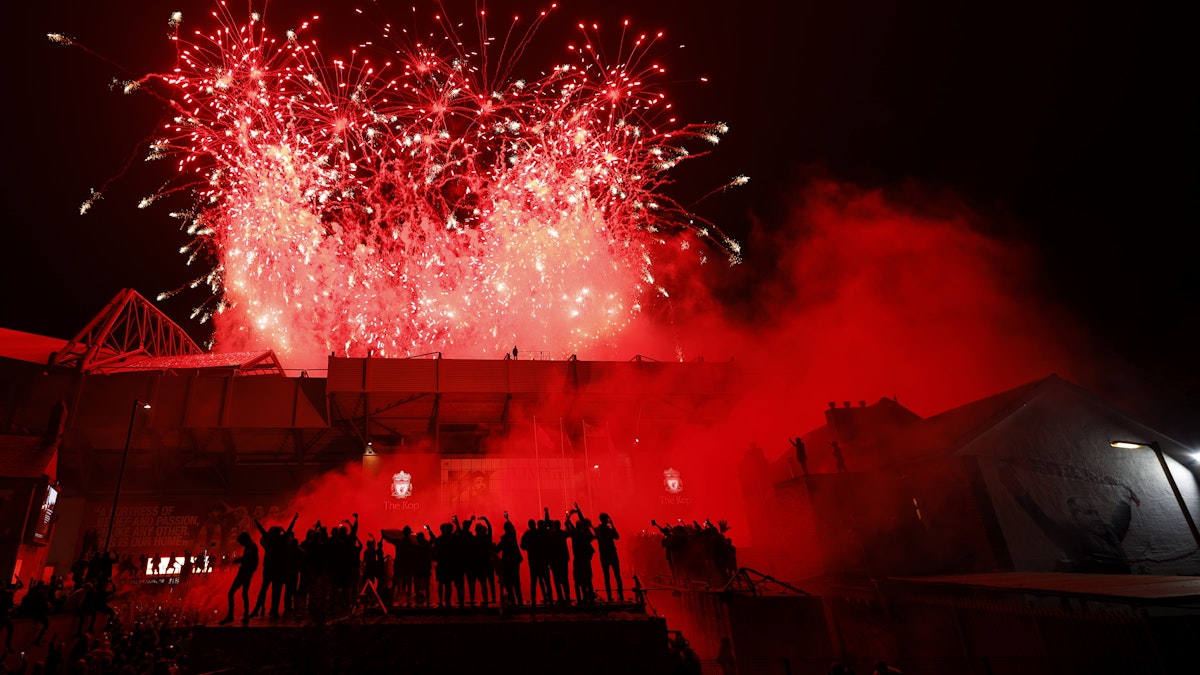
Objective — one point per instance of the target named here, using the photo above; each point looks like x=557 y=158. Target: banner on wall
x=175 y=526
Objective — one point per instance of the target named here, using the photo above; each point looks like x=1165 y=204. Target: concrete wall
x=1068 y=501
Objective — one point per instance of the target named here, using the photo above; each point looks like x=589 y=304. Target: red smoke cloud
x=870 y=295
x=860 y=295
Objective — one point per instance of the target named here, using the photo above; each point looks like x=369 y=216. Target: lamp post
x=1162 y=461
x=112 y=518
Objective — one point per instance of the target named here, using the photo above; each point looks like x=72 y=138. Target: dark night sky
x=1070 y=127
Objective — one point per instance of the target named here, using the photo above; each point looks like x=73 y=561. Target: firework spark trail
x=420 y=203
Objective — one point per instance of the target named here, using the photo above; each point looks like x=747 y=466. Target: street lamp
x=112 y=518
x=1162 y=461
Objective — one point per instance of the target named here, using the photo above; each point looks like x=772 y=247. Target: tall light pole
x=1162 y=461
x=112 y=518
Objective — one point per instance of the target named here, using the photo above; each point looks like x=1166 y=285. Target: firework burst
x=417 y=196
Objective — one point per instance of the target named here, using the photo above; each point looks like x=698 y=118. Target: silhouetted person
x=801 y=454
x=402 y=563
x=293 y=563
x=533 y=542
x=666 y=533
x=582 y=552
x=422 y=566
x=675 y=546
x=492 y=568
x=247 y=564
x=314 y=579
x=837 y=457
x=36 y=605
x=724 y=553
x=95 y=601
x=372 y=563
x=510 y=563
x=479 y=562
x=345 y=556
x=274 y=565
x=514 y=353
x=461 y=550
x=7 y=598
x=444 y=556
x=560 y=558
x=610 y=563
x=703 y=542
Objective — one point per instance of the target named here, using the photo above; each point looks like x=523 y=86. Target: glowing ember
x=428 y=201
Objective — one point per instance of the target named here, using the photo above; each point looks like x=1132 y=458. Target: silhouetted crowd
x=464 y=563
x=319 y=574
x=150 y=639
x=329 y=573
x=332 y=571
x=89 y=596
x=697 y=552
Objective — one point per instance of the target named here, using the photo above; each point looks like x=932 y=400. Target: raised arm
x=292 y=524
x=261 y=530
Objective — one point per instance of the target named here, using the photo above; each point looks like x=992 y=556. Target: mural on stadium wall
x=155 y=529
x=1088 y=524
x=1066 y=500
x=1116 y=519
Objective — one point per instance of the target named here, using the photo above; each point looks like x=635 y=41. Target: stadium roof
x=261 y=362
x=20 y=346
